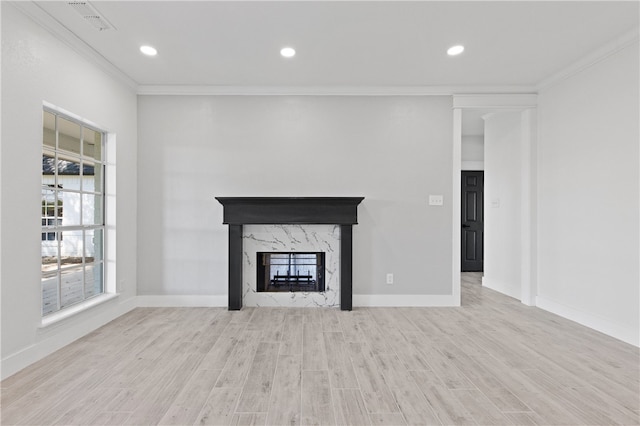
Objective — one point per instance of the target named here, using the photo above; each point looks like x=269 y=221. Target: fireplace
x=290 y=272
x=262 y=223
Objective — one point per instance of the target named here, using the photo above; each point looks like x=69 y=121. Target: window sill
x=52 y=319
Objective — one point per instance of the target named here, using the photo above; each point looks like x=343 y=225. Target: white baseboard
x=496 y=286
x=152 y=301
x=362 y=300
x=48 y=345
x=603 y=325
x=404 y=300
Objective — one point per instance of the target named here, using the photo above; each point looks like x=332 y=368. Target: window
x=72 y=212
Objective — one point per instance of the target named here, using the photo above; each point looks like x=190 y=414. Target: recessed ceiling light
x=148 y=50
x=455 y=50
x=288 y=52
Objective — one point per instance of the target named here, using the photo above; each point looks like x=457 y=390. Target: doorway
x=525 y=179
x=472 y=221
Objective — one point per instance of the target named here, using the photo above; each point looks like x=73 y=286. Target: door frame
x=526 y=104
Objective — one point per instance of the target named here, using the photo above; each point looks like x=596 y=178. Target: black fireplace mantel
x=239 y=211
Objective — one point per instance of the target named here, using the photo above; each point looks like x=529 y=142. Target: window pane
x=49 y=251
x=72 y=248
x=68 y=136
x=71 y=212
x=49 y=129
x=48 y=168
x=91 y=209
x=72 y=286
x=92 y=144
x=93 y=245
x=48 y=204
x=92 y=176
x=69 y=174
x=93 y=281
x=49 y=294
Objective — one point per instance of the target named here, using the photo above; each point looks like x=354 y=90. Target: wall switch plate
x=389 y=278
x=436 y=200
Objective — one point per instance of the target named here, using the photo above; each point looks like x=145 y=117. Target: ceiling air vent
x=91 y=15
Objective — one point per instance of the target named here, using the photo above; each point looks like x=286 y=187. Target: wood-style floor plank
x=239 y=362
x=257 y=388
x=185 y=408
x=285 y=404
x=413 y=405
x=249 y=419
x=387 y=419
x=314 y=354
x=341 y=373
x=292 y=335
x=317 y=407
x=349 y=408
x=479 y=406
x=377 y=395
x=220 y=407
x=448 y=409
x=490 y=361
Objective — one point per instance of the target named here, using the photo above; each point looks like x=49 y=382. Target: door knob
x=466 y=226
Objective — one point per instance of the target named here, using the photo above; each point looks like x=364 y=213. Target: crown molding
x=212 y=90
x=514 y=101
x=62 y=33
x=591 y=59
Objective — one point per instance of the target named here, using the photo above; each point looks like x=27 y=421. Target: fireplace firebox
x=290 y=271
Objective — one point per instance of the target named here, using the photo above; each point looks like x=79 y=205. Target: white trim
x=161 y=301
x=54 y=318
x=210 y=90
x=472 y=165
x=516 y=101
x=405 y=300
x=591 y=59
x=595 y=322
x=110 y=216
x=415 y=300
x=456 y=261
x=49 y=344
x=528 y=203
x=41 y=17
x=76 y=117
x=495 y=286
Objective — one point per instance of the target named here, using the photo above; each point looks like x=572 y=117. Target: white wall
x=472 y=152
x=502 y=203
x=38 y=68
x=394 y=151
x=588 y=251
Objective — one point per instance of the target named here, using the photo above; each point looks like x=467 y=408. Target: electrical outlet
x=389 y=278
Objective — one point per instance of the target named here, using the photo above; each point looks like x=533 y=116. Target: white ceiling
x=354 y=44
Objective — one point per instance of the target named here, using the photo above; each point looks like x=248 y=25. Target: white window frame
x=108 y=289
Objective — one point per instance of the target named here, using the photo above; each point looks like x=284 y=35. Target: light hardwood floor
x=492 y=361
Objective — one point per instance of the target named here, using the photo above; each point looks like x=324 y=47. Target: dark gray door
x=472 y=221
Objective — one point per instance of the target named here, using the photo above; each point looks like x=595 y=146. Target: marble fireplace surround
x=239 y=211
